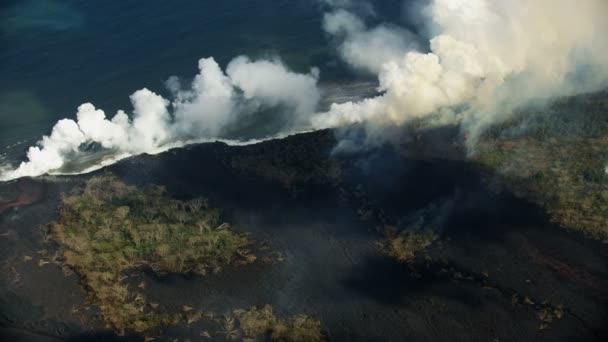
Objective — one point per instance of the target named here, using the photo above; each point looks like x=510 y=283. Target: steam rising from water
x=486 y=58
x=203 y=112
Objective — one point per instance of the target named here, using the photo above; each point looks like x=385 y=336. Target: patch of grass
x=262 y=322
x=406 y=245
x=109 y=228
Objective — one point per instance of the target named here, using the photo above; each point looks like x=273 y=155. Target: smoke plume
x=366 y=49
x=484 y=59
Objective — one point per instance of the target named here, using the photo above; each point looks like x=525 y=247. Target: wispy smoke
x=205 y=110
x=486 y=58
x=368 y=49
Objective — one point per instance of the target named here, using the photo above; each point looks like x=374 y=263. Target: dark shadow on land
x=333 y=270
x=21 y=335
x=102 y=336
x=394 y=284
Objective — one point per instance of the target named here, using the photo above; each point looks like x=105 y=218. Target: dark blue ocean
x=57 y=54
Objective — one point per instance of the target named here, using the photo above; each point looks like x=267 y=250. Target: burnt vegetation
x=293 y=162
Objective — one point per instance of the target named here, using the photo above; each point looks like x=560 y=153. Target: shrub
x=259 y=322
x=405 y=245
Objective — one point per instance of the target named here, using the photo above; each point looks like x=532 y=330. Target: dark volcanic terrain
x=497 y=271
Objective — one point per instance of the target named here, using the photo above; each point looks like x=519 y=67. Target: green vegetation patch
x=555 y=158
x=262 y=322
x=109 y=227
x=566 y=178
x=406 y=245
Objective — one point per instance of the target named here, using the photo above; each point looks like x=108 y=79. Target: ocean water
x=57 y=54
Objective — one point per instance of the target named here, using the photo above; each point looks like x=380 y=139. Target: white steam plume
x=366 y=49
x=486 y=58
x=214 y=101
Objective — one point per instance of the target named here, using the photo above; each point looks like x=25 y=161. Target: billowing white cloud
x=150 y=121
x=50 y=154
x=486 y=58
x=272 y=84
x=208 y=105
x=367 y=49
x=93 y=124
x=211 y=104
